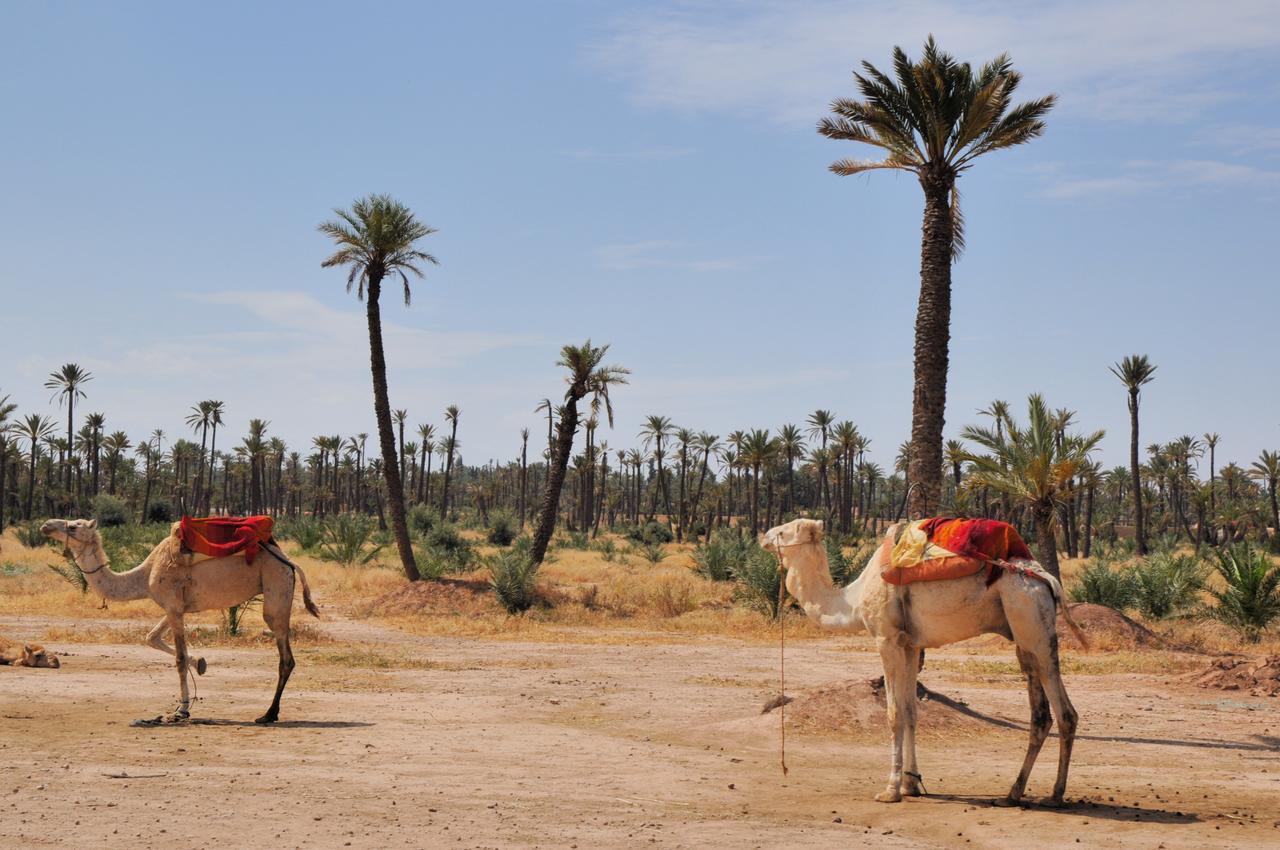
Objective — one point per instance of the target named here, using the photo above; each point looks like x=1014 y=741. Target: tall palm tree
x=653 y=432
x=1135 y=372
x=820 y=422
x=546 y=405
x=1267 y=469
x=93 y=425
x=6 y=425
x=524 y=474
x=68 y=383
x=451 y=414
x=376 y=238
x=198 y=419
x=791 y=443
x=35 y=429
x=934 y=120
x=758 y=451
x=1033 y=466
x=400 y=416
x=1211 y=443
x=587 y=377
x=428 y=434
x=115 y=444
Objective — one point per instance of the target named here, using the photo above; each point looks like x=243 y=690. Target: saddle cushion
x=945 y=548
x=223 y=536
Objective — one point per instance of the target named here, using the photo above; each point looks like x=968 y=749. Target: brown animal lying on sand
x=26 y=655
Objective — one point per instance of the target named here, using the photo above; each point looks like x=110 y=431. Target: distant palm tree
x=1211 y=443
x=820 y=422
x=376 y=238
x=653 y=432
x=68 y=383
x=1267 y=469
x=451 y=414
x=791 y=443
x=400 y=416
x=198 y=419
x=216 y=409
x=1032 y=466
x=758 y=451
x=587 y=377
x=1135 y=371
x=35 y=429
x=934 y=120
x=6 y=425
x=546 y=405
x=115 y=444
x=427 y=433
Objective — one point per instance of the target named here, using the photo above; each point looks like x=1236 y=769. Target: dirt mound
x=1258 y=676
x=446 y=596
x=857 y=707
x=1107 y=628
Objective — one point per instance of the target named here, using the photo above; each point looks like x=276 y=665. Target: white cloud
x=1128 y=59
x=662 y=254
x=1144 y=175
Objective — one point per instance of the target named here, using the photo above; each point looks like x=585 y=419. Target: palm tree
x=6 y=425
x=451 y=414
x=546 y=405
x=428 y=434
x=216 y=409
x=198 y=419
x=1267 y=469
x=67 y=383
x=524 y=474
x=934 y=120
x=1211 y=443
x=820 y=422
x=115 y=444
x=34 y=428
x=1135 y=371
x=375 y=239
x=94 y=423
x=758 y=451
x=654 y=430
x=1032 y=466
x=586 y=377
x=791 y=443
x=400 y=416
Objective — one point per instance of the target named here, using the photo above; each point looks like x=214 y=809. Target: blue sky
x=641 y=174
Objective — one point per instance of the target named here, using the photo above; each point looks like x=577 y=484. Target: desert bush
x=672 y=596
x=1167 y=583
x=651 y=552
x=513 y=574
x=608 y=549
x=110 y=510
x=449 y=551
x=348 y=540
x=719 y=558
x=1101 y=584
x=1250 y=602
x=650 y=532
x=759 y=581
x=502 y=528
x=420 y=519
x=9 y=570
x=574 y=540
x=30 y=535
x=233 y=617
x=306 y=531
x=161 y=510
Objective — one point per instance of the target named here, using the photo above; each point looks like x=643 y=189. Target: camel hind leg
x=277 y=607
x=1041 y=721
x=1067 y=720
x=155 y=640
x=900 y=668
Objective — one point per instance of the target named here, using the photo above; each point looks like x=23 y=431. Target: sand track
x=472 y=743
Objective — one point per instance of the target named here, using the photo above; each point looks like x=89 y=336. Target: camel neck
x=117 y=587
x=809 y=582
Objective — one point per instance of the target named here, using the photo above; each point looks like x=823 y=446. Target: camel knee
x=1067 y=723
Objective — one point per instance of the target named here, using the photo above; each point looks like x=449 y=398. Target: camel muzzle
x=49 y=528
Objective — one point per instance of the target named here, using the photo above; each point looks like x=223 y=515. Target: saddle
x=947 y=547
x=223 y=536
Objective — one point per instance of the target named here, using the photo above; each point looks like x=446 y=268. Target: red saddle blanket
x=945 y=548
x=222 y=536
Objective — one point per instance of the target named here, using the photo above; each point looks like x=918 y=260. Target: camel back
x=943 y=548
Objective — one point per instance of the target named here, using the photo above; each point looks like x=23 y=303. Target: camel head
x=794 y=533
x=37 y=656
x=82 y=531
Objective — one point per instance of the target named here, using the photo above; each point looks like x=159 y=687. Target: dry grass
x=1072 y=663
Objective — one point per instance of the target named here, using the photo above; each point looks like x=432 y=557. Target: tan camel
x=180 y=586
x=906 y=619
x=27 y=655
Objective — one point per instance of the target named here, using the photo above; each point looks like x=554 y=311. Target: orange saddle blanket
x=222 y=536
x=947 y=548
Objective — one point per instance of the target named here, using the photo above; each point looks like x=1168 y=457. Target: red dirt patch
x=446 y=596
x=1258 y=676
x=857 y=707
x=1107 y=628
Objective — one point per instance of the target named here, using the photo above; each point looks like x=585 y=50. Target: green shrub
x=126 y=546
x=608 y=549
x=1250 y=603
x=449 y=549
x=9 y=570
x=502 y=528
x=1102 y=585
x=306 y=531
x=345 y=537
x=719 y=558
x=110 y=510
x=575 y=540
x=1166 y=583
x=233 y=617
x=651 y=552
x=512 y=574
x=160 y=511
x=759 y=581
x=653 y=532
x=420 y=519
x=30 y=535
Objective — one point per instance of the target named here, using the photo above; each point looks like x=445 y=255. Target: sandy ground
x=444 y=742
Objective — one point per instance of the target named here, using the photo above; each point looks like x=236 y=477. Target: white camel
x=906 y=619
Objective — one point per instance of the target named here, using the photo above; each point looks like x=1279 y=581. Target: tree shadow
x=1083 y=808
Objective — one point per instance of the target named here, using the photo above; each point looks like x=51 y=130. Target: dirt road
x=390 y=740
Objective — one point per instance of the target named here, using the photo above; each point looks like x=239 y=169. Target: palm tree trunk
x=386 y=437
x=1046 y=545
x=1088 y=521
x=557 y=465
x=933 y=334
x=1139 y=532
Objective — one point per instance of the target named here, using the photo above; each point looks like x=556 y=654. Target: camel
x=180 y=586
x=907 y=619
x=27 y=655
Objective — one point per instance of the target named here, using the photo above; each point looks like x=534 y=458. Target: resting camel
x=172 y=581
x=906 y=619
x=27 y=655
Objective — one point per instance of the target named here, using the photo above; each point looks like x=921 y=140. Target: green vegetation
x=348 y=540
x=1250 y=601
x=512 y=574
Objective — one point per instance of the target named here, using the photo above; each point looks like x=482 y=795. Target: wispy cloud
x=656 y=152
x=1116 y=59
x=1144 y=175
x=1241 y=138
x=663 y=254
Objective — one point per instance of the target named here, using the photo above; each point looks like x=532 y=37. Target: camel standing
x=27 y=655
x=170 y=580
x=906 y=619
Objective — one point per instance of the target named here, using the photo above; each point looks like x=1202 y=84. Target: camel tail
x=1055 y=587
x=306 y=593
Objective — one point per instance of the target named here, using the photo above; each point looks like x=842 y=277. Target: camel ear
x=93 y=523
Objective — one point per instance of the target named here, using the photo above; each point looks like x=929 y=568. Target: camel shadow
x=281 y=724
x=1083 y=808
x=1266 y=743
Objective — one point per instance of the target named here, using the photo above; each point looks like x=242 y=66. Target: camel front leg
x=182 y=662
x=155 y=640
x=900 y=694
x=912 y=784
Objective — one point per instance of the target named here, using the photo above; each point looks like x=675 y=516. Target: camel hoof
x=201 y=666
x=1052 y=802
x=267 y=719
x=912 y=790
x=889 y=795
x=1006 y=802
